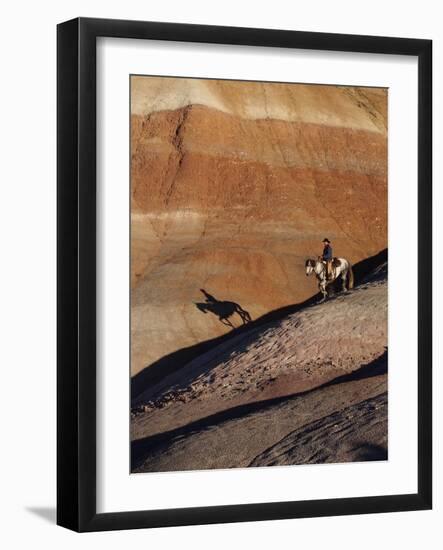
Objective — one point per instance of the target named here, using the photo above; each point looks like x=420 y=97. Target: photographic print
x=259 y=265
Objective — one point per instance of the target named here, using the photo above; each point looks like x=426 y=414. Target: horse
x=340 y=268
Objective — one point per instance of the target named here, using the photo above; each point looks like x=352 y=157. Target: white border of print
x=117 y=490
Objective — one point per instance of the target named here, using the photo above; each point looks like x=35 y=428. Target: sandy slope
x=356 y=433
x=268 y=433
x=298 y=353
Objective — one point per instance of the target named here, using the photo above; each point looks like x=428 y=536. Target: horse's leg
x=241 y=314
x=322 y=287
x=343 y=281
x=244 y=315
x=227 y=323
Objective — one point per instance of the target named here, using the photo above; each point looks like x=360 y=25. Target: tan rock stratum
x=233 y=186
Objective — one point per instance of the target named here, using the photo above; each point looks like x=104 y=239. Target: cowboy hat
x=325 y=240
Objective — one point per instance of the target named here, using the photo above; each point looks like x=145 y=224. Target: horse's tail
x=351 y=277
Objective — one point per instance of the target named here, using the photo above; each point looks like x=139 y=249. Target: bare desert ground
x=308 y=388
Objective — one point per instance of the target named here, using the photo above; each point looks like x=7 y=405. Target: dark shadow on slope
x=173 y=362
x=371 y=452
x=223 y=309
x=374 y=368
x=376 y=266
x=141 y=447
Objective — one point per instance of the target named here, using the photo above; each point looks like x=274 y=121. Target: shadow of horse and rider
x=223 y=309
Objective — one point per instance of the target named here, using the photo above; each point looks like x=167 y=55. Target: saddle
x=331 y=266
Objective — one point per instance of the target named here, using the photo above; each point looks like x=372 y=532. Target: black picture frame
x=76 y=279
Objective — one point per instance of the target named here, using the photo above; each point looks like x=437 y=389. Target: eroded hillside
x=277 y=394
x=232 y=191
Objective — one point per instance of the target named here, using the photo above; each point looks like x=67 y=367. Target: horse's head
x=309 y=265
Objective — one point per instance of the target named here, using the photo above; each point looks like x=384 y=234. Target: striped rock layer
x=233 y=186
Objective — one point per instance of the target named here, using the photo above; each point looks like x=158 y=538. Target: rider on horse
x=328 y=269
x=327 y=257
